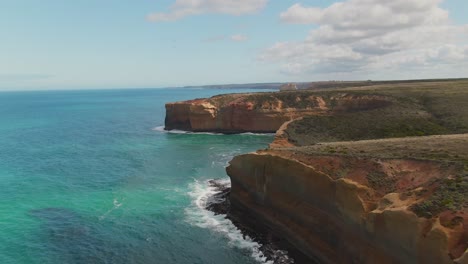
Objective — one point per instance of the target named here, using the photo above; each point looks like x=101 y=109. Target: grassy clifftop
x=415 y=109
x=344 y=111
x=297 y=99
x=435 y=194
x=399 y=129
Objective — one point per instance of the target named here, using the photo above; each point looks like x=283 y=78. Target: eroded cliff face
x=263 y=113
x=344 y=202
x=200 y=116
x=329 y=207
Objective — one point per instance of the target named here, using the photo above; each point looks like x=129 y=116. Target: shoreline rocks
x=274 y=248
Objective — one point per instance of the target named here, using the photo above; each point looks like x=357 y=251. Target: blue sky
x=86 y=44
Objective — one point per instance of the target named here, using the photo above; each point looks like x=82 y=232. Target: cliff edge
x=368 y=201
x=237 y=113
x=367 y=174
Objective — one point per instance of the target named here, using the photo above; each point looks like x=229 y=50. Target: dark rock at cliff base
x=219 y=203
x=274 y=248
x=219 y=185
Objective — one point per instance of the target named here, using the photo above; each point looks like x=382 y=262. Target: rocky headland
x=367 y=174
x=237 y=113
x=373 y=201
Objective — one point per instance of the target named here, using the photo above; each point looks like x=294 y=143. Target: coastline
x=338 y=172
x=275 y=249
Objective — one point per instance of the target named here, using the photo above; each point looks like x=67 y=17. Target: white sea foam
x=176 y=131
x=116 y=205
x=198 y=215
x=258 y=134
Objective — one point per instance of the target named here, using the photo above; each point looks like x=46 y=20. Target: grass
x=450 y=194
x=349 y=84
x=358 y=126
x=380 y=181
x=447 y=149
x=439 y=195
x=299 y=100
x=416 y=109
x=295 y=99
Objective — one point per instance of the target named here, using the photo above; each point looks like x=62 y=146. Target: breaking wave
x=176 y=131
x=198 y=215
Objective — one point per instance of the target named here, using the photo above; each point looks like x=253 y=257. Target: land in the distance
x=312 y=85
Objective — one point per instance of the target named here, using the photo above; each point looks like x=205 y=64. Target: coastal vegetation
x=416 y=109
x=444 y=193
x=450 y=194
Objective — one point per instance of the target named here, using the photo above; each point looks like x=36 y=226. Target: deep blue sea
x=90 y=177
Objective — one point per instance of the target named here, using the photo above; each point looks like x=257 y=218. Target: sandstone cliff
x=262 y=112
x=331 y=188
x=239 y=113
x=360 y=206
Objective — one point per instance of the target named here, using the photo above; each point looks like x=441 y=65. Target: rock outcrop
x=348 y=209
x=288 y=87
x=237 y=113
x=261 y=112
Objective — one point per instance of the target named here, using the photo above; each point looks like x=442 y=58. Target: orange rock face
x=203 y=116
x=339 y=219
x=263 y=113
x=233 y=119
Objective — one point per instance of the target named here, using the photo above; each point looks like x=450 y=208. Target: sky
x=99 y=44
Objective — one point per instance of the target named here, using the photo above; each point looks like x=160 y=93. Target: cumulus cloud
x=371 y=35
x=239 y=37
x=184 y=8
x=298 y=14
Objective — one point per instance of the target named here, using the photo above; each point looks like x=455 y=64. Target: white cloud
x=239 y=37
x=298 y=14
x=372 y=35
x=184 y=8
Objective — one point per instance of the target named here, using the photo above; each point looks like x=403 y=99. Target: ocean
x=91 y=177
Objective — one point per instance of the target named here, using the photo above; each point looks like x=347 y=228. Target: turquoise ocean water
x=90 y=177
